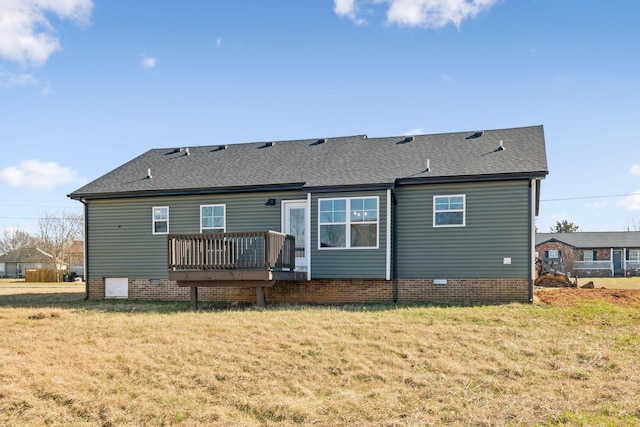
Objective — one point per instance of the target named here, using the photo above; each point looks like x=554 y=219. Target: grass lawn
x=69 y=362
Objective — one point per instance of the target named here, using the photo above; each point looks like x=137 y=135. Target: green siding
x=497 y=226
x=349 y=263
x=121 y=243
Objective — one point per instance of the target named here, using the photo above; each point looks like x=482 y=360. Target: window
x=212 y=219
x=553 y=254
x=349 y=222
x=634 y=255
x=449 y=211
x=587 y=256
x=161 y=220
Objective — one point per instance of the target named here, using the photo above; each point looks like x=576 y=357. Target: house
x=593 y=254
x=443 y=218
x=15 y=263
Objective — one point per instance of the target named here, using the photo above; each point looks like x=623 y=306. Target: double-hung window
x=212 y=218
x=160 y=219
x=588 y=255
x=634 y=255
x=449 y=211
x=348 y=222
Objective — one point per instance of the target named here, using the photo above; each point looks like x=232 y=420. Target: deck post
x=194 y=298
x=260 y=297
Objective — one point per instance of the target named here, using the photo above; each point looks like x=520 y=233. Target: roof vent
x=501 y=147
x=269 y=144
x=222 y=147
x=186 y=151
x=476 y=134
x=365 y=136
x=178 y=150
x=410 y=138
x=149 y=176
x=428 y=169
x=321 y=141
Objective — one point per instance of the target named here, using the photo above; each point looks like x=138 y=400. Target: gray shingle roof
x=592 y=240
x=26 y=256
x=342 y=161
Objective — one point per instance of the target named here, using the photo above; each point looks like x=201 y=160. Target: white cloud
x=38 y=175
x=631 y=202
x=219 y=42
x=419 y=13
x=597 y=205
x=148 y=62
x=635 y=170
x=347 y=9
x=416 y=131
x=26 y=34
x=11 y=80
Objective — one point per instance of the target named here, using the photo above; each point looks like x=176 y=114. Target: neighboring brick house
x=593 y=254
x=331 y=220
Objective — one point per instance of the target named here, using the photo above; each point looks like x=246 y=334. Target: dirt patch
x=566 y=297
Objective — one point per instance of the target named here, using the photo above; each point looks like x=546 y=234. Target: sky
x=87 y=85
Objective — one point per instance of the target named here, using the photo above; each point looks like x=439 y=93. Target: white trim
x=283 y=221
x=464 y=211
x=532 y=219
x=308 y=236
x=388 y=260
x=224 y=216
x=347 y=223
x=153 y=219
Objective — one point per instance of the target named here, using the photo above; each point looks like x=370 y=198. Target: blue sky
x=86 y=85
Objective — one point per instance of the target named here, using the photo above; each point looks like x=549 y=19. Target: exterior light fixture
x=270 y=202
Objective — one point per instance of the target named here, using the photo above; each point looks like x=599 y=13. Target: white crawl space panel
x=116 y=287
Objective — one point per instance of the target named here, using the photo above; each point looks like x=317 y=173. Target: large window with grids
x=449 y=211
x=348 y=223
x=212 y=218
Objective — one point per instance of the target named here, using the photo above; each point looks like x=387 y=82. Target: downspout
x=86 y=249
x=532 y=214
x=394 y=245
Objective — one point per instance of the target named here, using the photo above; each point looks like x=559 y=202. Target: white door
x=294 y=220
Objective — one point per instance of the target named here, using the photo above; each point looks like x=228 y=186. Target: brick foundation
x=338 y=291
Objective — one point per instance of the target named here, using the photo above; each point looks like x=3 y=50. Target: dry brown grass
x=64 y=361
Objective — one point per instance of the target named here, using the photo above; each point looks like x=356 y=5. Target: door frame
x=300 y=203
x=619 y=252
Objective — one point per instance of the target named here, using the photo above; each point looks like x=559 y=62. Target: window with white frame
x=212 y=218
x=160 y=220
x=449 y=211
x=587 y=255
x=348 y=223
x=553 y=254
x=634 y=255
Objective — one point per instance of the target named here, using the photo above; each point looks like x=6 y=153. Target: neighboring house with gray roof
x=15 y=263
x=444 y=218
x=593 y=254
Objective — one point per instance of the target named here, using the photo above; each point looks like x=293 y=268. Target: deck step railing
x=226 y=251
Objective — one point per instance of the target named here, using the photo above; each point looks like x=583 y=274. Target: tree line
x=56 y=233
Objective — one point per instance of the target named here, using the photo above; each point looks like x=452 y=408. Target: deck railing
x=226 y=251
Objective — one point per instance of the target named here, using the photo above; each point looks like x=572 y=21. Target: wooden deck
x=246 y=259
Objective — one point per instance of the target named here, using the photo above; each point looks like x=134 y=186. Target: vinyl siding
x=497 y=226
x=349 y=263
x=120 y=239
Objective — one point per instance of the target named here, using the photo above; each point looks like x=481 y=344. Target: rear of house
x=444 y=218
x=593 y=254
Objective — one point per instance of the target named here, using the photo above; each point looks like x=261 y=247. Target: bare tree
x=633 y=224
x=13 y=238
x=57 y=233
